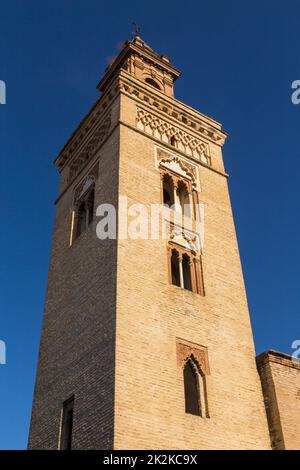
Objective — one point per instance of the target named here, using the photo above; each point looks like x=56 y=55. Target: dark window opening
x=84 y=213
x=90 y=206
x=186 y=269
x=67 y=424
x=191 y=389
x=173 y=141
x=175 y=268
x=81 y=219
x=168 y=192
x=152 y=82
x=184 y=199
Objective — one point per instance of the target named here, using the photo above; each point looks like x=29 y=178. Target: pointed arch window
x=81 y=219
x=192 y=359
x=184 y=200
x=186 y=272
x=175 y=270
x=67 y=424
x=191 y=389
x=168 y=191
x=195 y=389
x=83 y=213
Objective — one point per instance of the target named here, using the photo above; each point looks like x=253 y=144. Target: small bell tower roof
x=141 y=61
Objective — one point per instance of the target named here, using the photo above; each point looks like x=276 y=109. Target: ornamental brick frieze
x=90 y=149
x=95 y=115
x=173 y=111
x=166 y=132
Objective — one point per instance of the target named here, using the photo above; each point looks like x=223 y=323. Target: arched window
x=67 y=424
x=168 y=191
x=81 y=219
x=191 y=388
x=84 y=213
x=90 y=205
x=179 y=192
x=152 y=82
x=175 y=268
x=186 y=271
x=184 y=199
x=185 y=268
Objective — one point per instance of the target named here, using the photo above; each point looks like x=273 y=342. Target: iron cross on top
x=136 y=29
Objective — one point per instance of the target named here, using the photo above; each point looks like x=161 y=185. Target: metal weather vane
x=136 y=29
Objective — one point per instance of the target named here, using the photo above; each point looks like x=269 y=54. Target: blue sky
x=238 y=63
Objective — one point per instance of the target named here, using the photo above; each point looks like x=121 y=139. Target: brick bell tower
x=146 y=344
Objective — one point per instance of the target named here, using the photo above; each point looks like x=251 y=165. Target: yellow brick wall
x=280 y=378
x=151 y=314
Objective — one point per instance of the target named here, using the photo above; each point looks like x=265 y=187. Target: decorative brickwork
x=89 y=149
x=164 y=131
x=168 y=162
x=186 y=349
x=172 y=111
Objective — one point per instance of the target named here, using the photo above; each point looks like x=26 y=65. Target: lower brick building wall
x=280 y=378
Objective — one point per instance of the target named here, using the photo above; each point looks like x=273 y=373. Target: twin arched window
x=186 y=270
x=177 y=197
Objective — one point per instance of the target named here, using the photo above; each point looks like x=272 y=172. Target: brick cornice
x=277 y=357
x=89 y=165
x=83 y=131
x=182 y=115
x=187 y=118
